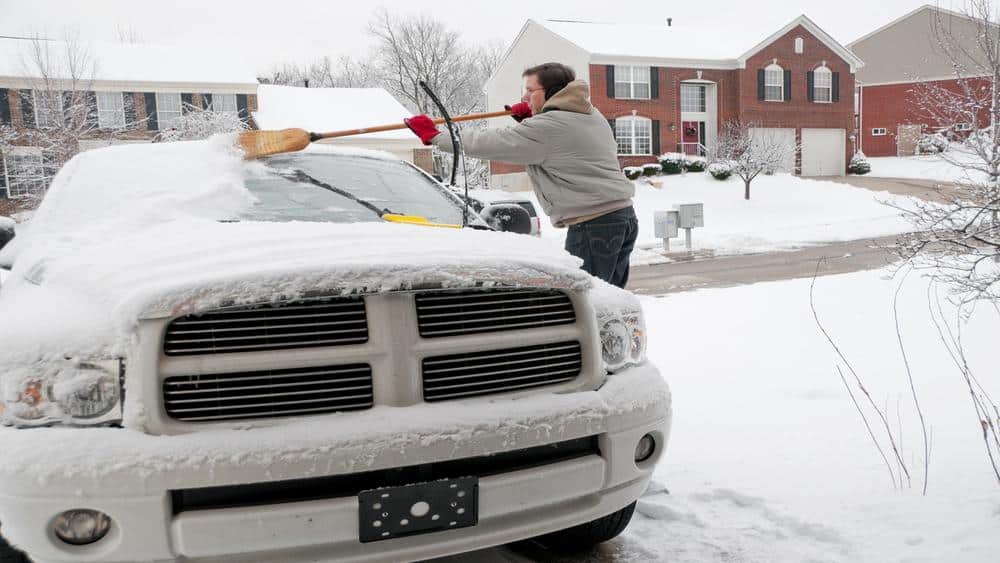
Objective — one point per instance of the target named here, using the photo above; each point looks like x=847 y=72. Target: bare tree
x=59 y=108
x=751 y=150
x=197 y=123
x=958 y=239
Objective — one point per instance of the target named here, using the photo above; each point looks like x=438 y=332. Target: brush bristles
x=256 y=144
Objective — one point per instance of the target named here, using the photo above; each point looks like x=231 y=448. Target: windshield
x=292 y=190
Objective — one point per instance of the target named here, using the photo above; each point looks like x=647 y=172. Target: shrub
x=932 y=143
x=650 y=169
x=672 y=163
x=859 y=164
x=720 y=170
x=695 y=164
x=632 y=172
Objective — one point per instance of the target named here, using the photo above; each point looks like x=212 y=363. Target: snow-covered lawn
x=923 y=167
x=784 y=212
x=769 y=460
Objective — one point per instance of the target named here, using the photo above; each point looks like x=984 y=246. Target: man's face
x=534 y=94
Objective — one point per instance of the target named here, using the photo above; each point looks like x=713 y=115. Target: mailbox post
x=690 y=215
x=665 y=226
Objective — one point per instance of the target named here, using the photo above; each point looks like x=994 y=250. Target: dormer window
x=822 y=85
x=774 y=83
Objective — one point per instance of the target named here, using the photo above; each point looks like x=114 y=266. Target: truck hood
x=74 y=299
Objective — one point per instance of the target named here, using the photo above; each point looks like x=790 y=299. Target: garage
x=823 y=152
x=773 y=136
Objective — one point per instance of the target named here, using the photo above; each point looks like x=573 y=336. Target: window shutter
x=656 y=136
x=241 y=107
x=150 y=100
x=835 y=95
x=788 y=85
x=3 y=173
x=128 y=104
x=654 y=83
x=611 y=81
x=809 y=85
x=27 y=109
x=611 y=122
x=4 y=112
x=90 y=119
x=206 y=101
x=760 y=84
x=69 y=112
x=187 y=100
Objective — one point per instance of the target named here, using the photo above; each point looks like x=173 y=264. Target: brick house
x=135 y=92
x=901 y=58
x=667 y=89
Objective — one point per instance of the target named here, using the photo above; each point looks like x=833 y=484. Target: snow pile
x=769 y=460
x=330 y=109
x=784 y=212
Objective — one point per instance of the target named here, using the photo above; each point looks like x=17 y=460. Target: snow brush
x=256 y=144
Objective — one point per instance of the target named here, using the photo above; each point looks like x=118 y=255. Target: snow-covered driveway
x=769 y=460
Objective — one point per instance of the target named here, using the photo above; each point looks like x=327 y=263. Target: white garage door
x=823 y=152
x=773 y=137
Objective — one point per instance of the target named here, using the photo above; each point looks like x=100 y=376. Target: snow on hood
x=128 y=232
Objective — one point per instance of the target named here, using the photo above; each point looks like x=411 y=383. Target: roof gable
x=843 y=52
x=681 y=45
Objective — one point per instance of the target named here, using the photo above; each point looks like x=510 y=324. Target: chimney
x=669 y=21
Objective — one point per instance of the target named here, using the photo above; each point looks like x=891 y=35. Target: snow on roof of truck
x=330 y=109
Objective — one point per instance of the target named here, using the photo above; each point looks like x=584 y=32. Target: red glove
x=519 y=111
x=423 y=127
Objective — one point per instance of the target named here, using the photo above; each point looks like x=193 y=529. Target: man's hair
x=551 y=76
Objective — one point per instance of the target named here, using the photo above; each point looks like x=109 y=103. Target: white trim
x=36 y=113
x=885 y=131
x=771 y=69
x=824 y=70
x=633 y=119
x=843 y=52
x=706 y=64
x=97 y=101
x=632 y=82
x=23 y=151
x=179 y=111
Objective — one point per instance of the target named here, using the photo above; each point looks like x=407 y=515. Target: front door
x=693 y=137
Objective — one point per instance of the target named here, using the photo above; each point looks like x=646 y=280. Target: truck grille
x=499 y=371
x=296 y=324
x=470 y=312
x=267 y=394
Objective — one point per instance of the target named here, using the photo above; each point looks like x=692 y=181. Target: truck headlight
x=623 y=340
x=72 y=393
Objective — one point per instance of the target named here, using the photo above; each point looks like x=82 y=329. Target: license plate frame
x=419 y=508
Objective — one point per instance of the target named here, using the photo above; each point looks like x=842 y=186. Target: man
x=572 y=160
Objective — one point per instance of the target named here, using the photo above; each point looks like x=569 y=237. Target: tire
x=586 y=536
x=10 y=555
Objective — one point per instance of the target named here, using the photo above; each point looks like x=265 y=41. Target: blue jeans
x=605 y=244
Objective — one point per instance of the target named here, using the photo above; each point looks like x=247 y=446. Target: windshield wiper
x=296 y=174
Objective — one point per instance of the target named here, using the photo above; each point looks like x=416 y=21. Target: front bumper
x=129 y=475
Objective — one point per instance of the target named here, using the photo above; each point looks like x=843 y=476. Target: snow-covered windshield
x=304 y=187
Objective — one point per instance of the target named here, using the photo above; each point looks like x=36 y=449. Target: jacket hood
x=575 y=97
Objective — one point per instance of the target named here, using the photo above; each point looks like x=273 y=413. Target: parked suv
x=304 y=358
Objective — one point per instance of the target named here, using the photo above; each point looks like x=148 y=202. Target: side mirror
x=507 y=217
x=6 y=231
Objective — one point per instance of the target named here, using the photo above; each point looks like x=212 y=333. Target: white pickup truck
x=297 y=359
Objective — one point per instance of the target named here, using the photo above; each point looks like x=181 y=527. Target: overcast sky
x=300 y=30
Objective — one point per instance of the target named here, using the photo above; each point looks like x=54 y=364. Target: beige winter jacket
x=570 y=154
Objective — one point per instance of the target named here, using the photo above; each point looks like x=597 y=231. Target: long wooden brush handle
x=395 y=126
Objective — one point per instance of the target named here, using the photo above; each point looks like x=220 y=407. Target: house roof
x=905 y=17
x=680 y=44
x=329 y=109
x=199 y=62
